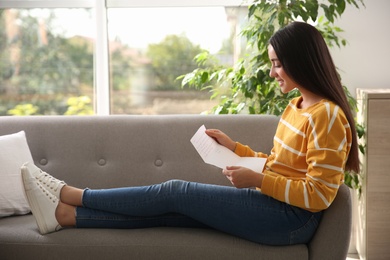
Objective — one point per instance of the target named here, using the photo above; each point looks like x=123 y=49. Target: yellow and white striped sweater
x=306 y=164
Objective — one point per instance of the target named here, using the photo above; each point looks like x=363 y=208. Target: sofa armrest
x=332 y=237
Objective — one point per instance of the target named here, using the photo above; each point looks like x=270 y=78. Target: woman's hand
x=242 y=177
x=222 y=138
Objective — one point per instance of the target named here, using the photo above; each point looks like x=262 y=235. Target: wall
x=364 y=62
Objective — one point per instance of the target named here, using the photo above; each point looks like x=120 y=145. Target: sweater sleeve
x=328 y=143
x=245 y=151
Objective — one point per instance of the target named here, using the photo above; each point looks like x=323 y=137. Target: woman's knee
x=175 y=184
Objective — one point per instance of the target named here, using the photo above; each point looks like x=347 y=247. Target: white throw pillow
x=14 y=152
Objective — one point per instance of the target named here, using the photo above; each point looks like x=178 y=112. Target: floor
x=353 y=257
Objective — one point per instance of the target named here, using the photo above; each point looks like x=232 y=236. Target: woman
x=314 y=143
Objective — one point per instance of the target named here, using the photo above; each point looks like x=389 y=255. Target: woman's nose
x=272 y=73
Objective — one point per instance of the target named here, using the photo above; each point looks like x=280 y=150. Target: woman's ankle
x=71 y=195
x=65 y=215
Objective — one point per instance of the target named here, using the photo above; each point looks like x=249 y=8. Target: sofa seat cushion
x=20 y=233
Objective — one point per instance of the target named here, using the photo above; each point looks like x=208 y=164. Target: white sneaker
x=43 y=204
x=50 y=183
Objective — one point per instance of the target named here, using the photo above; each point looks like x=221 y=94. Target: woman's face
x=285 y=82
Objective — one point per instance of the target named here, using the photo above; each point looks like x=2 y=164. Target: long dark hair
x=305 y=58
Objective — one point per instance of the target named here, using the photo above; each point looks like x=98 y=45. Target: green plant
x=352 y=179
x=247 y=87
x=171 y=57
x=79 y=106
x=24 y=110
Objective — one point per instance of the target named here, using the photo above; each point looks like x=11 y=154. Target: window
x=46 y=64
x=118 y=57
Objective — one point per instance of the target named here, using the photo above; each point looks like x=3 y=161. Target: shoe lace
x=49 y=181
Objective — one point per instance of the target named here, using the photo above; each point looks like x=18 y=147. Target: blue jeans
x=245 y=213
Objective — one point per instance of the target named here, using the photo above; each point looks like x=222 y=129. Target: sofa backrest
x=126 y=150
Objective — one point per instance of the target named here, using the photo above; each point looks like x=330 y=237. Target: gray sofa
x=113 y=151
